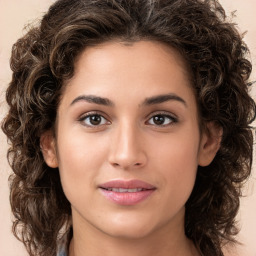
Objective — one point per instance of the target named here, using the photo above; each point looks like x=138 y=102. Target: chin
x=130 y=234
x=129 y=227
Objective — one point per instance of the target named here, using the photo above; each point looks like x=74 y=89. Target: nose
x=126 y=149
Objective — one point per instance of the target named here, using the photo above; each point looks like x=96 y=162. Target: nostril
x=125 y=165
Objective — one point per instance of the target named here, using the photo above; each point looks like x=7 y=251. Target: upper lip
x=128 y=184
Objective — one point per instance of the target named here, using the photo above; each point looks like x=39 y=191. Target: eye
x=162 y=120
x=93 y=120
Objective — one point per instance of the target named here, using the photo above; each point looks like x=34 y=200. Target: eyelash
x=89 y=115
x=164 y=115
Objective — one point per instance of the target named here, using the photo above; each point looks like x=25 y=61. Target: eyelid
x=167 y=114
x=82 y=117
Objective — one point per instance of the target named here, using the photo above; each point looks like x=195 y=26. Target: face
x=128 y=143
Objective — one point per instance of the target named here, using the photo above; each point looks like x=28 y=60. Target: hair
x=43 y=59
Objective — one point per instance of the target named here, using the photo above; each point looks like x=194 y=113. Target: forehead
x=131 y=53
x=145 y=66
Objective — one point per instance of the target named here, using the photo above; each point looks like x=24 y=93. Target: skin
x=127 y=142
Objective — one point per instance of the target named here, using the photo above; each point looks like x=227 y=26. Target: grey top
x=63 y=245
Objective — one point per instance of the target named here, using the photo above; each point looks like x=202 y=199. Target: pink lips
x=126 y=192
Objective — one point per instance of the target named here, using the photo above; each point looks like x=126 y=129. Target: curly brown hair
x=43 y=60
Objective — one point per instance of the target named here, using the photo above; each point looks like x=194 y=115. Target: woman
x=129 y=123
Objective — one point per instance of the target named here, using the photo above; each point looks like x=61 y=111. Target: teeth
x=125 y=190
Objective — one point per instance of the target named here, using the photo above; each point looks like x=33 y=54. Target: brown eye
x=159 y=120
x=94 y=120
x=162 y=120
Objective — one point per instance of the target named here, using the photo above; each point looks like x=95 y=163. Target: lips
x=126 y=192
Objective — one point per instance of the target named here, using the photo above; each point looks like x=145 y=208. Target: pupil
x=95 y=120
x=159 y=120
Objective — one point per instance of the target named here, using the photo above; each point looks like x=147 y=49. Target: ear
x=210 y=143
x=48 y=148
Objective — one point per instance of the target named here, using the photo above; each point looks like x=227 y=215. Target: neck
x=132 y=248
x=89 y=241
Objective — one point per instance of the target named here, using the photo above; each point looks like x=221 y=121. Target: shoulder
x=63 y=244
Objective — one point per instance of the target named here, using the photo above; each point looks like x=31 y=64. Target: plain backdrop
x=14 y=15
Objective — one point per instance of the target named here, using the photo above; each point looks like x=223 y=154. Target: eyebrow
x=163 y=98
x=158 y=99
x=93 y=99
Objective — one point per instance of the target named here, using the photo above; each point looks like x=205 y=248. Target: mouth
x=129 y=192
x=125 y=190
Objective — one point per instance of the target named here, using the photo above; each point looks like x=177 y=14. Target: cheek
x=81 y=149
x=80 y=160
x=178 y=149
x=177 y=158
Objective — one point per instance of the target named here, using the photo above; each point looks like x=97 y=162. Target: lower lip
x=128 y=198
